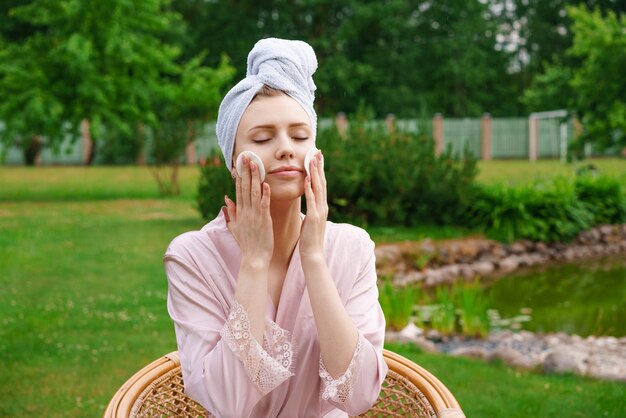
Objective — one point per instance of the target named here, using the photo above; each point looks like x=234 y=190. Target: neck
x=286 y=222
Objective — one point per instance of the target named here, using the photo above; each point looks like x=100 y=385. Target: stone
x=468 y=250
x=498 y=252
x=518 y=248
x=483 y=267
x=426 y=345
x=606 y=230
x=411 y=331
x=466 y=271
x=564 y=358
x=513 y=358
x=508 y=264
x=471 y=351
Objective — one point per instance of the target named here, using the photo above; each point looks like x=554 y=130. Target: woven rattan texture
x=165 y=398
x=400 y=398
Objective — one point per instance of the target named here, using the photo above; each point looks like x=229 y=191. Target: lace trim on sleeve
x=340 y=390
x=267 y=366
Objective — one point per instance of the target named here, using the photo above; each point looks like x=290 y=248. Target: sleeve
x=359 y=387
x=224 y=367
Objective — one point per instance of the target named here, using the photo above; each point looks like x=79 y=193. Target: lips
x=286 y=169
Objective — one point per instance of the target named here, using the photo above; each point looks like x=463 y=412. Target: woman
x=276 y=313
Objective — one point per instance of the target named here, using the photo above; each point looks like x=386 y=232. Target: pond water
x=585 y=298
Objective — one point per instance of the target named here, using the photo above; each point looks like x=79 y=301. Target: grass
x=522 y=171
x=87 y=183
x=496 y=390
x=82 y=301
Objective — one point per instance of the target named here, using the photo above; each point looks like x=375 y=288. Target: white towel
x=278 y=63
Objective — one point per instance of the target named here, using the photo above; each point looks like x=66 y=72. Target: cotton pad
x=253 y=158
x=310 y=154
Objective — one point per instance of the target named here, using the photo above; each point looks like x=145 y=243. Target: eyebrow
x=291 y=125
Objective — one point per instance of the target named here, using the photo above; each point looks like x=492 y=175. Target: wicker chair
x=157 y=391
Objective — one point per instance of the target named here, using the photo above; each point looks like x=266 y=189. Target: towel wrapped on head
x=280 y=64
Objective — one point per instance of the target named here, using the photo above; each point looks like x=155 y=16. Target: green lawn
x=521 y=171
x=82 y=302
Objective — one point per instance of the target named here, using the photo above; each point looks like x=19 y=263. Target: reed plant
x=473 y=308
x=443 y=314
x=397 y=303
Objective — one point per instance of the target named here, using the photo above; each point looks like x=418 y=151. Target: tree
x=405 y=57
x=183 y=105
x=105 y=62
x=538 y=33
x=600 y=90
x=591 y=83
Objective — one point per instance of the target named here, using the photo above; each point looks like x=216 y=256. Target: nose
x=284 y=149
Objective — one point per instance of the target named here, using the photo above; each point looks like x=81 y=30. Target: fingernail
x=225 y=214
x=315 y=163
x=252 y=166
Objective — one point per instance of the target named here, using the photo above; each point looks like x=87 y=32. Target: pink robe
x=228 y=372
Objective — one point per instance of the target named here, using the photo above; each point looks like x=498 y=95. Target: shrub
x=603 y=197
x=545 y=211
x=377 y=178
x=215 y=182
x=556 y=209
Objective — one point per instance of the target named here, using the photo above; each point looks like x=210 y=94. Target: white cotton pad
x=254 y=158
x=310 y=154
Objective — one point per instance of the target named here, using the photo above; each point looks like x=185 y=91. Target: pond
x=585 y=298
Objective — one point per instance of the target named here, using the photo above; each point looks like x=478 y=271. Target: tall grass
x=397 y=303
x=461 y=307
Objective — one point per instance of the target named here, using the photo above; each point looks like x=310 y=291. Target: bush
x=550 y=210
x=603 y=197
x=377 y=178
x=215 y=182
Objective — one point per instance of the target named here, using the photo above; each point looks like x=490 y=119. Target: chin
x=287 y=191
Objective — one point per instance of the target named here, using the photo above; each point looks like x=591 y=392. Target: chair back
x=157 y=390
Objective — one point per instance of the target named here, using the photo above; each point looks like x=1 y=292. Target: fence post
x=190 y=153
x=87 y=141
x=342 y=124
x=485 y=131
x=141 y=155
x=532 y=138
x=390 y=121
x=438 y=133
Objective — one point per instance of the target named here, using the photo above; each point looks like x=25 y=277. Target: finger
x=238 y=191
x=255 y=184
x=231 y=210
x=309 y=196
x=316 y=182
x=265 y=199
x=225 y=212
x=323 y=177
x=245 y=182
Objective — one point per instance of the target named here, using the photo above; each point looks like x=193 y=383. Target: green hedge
x=555 y=209
x=377 y=178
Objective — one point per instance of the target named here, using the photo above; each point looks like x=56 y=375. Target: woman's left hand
x=313 y=229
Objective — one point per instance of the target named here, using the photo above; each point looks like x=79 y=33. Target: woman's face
x=278 y=130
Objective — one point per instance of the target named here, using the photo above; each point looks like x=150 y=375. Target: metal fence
x=508 y=138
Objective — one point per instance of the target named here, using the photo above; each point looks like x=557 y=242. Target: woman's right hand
x=249 y=219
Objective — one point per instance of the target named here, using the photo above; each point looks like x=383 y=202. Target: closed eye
x=301 y=138
x=261 y=140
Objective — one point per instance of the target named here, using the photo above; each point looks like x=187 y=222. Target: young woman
x=276 y=313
